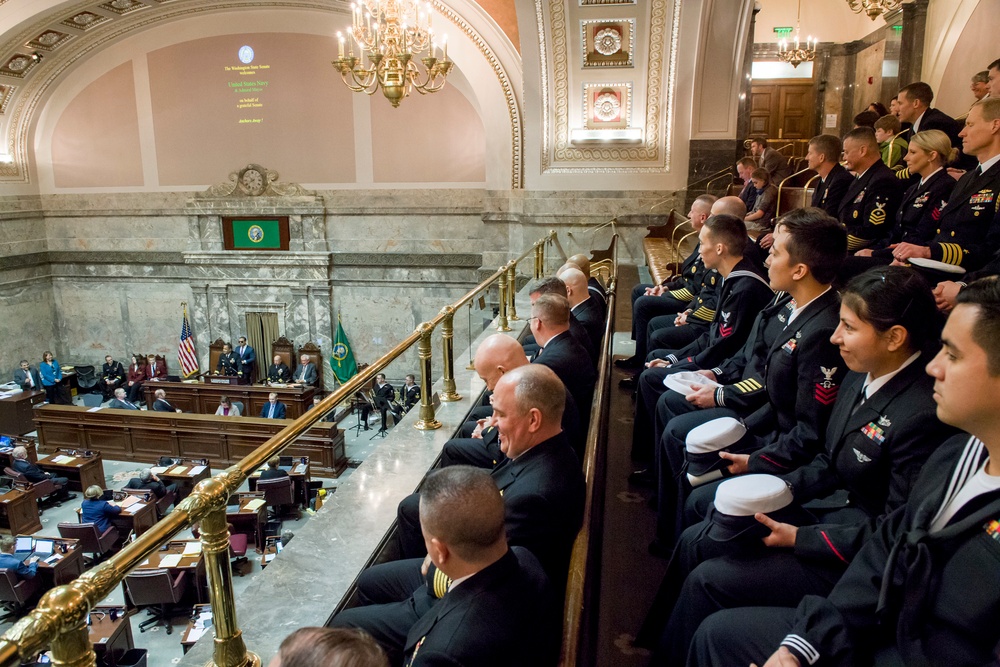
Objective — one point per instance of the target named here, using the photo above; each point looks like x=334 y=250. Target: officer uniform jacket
x=875 y=452
x=741 y=297
x=869 y=203
x=702 y=308
x=969 y=231
x=933 y=595
x=543 y=493
x=687 y=283
x=919 y=212
x=278 y=373
x=505 y=614
x=229 y=364
x=829 y=193
x=567 y=360
x=113 y=372
x=802 y=376
x=21 y=378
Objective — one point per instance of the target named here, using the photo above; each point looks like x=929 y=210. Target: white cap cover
x=714 y=435
x=748 y=494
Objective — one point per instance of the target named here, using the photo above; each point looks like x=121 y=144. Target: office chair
x=159 y=590
x=86 y=379
x=279 y=495
x=91 y=541
x=238 y=543
x=239 y=406
x=167 y=462
x=15 y=593
x=44 y=491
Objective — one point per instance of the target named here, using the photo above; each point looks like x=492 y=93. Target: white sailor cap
x=703 y=444
x=737 y=500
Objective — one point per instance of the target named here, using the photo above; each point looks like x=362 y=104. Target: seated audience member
x=722 y=242
x=25 y=569
x=597 y=290
x=587 y=309
x=496 y=606
x=147 y=480
x=744 y=169
x=495 y=356
x=786 y=398
x=96 y=510
x=306 y=374
x=676 y=296
x=969 y=226
x=226 y=408
x=278 y=371
x=823 y=157
x=410 y=392
x=922 y=589
x=135 y=378
x=329 y=647
x=994 y=79
x=770 y=159
x=866 y=118
x=27 y=378
x=120 y=402
x=156 y=368
x=34 y=474
x=553 y=285
x=980 y=84
x=878 y=108
x=112 y=376
x=51 y=374
x=880 y=435
x=892 y=145
x=274 y=409
x=229 y=363
x=756 y=250
x=273 y=471
x=915 y=107
x=161 y=404
x=872 y=197
x=761 y=216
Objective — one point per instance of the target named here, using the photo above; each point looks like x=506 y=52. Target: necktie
x=31 y=383
x=270 y=414
x=862 y=397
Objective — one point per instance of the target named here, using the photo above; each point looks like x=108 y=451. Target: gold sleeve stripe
x=747 y=386
x=703 y=313
x=441 y=584
x=951 y=253
x=682 y=294
x=855 y=243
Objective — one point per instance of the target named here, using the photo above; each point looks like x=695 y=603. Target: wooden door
x=782 y=109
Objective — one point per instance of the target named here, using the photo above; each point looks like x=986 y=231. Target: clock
x=252 y=181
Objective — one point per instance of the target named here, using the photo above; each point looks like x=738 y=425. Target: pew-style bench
x=144 y=436
x=662 y=245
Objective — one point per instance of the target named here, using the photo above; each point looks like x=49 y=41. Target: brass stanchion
x=538 y=259
x=229 y=649
x=426 y=421
x=73 y=648
x=472 y=364
x=450 y=392
x=502 y=319
x=511 y=292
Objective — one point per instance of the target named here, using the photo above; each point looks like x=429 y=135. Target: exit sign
x=783 y=31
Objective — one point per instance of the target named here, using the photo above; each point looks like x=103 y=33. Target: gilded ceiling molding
x=557 y=158
x=32 y=93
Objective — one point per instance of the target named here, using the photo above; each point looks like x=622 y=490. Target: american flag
x=186 y=355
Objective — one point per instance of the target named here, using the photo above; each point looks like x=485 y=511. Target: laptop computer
x=23 y=548
x=44 y=548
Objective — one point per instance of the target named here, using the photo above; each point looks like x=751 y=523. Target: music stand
x=382 y=405
x=359 y=400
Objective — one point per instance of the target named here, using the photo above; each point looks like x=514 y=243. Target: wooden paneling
x=203 y=398
x=782 y=109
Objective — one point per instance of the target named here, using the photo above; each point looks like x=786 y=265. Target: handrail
x=777 y=204
x=581 y=559
x=728 y=174
x=58 y=621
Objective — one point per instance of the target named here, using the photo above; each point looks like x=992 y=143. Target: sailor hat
x=703 y=445
x=737 y=500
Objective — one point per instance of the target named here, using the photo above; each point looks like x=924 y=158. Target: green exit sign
x=897 y=28
x=783 y=30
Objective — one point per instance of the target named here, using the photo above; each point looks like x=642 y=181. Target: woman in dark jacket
x=96 y=510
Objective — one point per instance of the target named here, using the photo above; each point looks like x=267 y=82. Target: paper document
x=99 y=407
x=269 y=557
x=62 y=458
x=178 y=470
x=134 y=507
x=254 y=504
x=173 y=560
x=192 y=548
x=195 y=634
x=300 y=468
x=158 y=469
x=197 y=469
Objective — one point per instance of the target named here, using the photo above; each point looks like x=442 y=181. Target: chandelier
x=390 y=33
x=874 y=7
x=799 y=54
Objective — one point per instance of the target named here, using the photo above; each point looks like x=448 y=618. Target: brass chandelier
x=799 y=54
x=874 y=7
x=391 y=33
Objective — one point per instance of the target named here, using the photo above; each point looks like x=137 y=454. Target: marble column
x=218 y=312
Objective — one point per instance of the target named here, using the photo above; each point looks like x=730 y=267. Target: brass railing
x=579 y=609
x=59 y=621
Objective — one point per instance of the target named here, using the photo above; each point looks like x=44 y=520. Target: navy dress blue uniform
x=112 y=377
x=568 y=360
x=929 y=597
x=869 y=204
x=743 y=294
x=920 y=212
x=229 y=364
x=830 y=191
x=969 y=231
x=875 y=449
x=661 y=333
x=591 y=314
x=278 y=373
x=505 y=614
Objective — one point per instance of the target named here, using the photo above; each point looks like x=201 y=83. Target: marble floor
x=166 y=649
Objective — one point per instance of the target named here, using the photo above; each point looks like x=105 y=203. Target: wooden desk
x=203 y=397
x=7 y=455
x=185 y=476
x=19 y=513
x=250 y=521
x=300 y=480
x=16 y=412
x=193 y=564
x=111 y=638
x=66 y=569
x=270 y=551
x=145 y=436
x=82 y=472
x=136 y=515
x=187 y=638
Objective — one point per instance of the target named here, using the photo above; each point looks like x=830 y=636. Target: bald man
x=593 y=284
x=583 y=306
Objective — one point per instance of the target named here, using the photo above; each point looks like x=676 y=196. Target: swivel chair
x=279 y=495
x=15 y=593
x=91 y=540
x=86 y=379
x=239 y=406
x=160 y=591
x=45 y=491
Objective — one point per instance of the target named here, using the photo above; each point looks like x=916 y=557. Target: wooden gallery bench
x=662 y=246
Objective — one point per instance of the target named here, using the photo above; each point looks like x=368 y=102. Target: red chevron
x=826 y=395
x=725 y=331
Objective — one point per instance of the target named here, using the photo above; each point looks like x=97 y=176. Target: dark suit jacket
x=934 y=119
x=829 y=194
x=310 y=374
x=21 y=378
x=568 y=360
x=919 y=212
x=30 y=471
x=776 y=165
x=543 y=493
x=160 y=405
x=505 y=614
x=156 y=487
x=122 y=405
x=279 y=410
x=590 y=313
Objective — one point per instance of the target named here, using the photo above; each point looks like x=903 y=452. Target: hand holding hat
x=782 y=534
x=739 y=463
x=702 y=396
